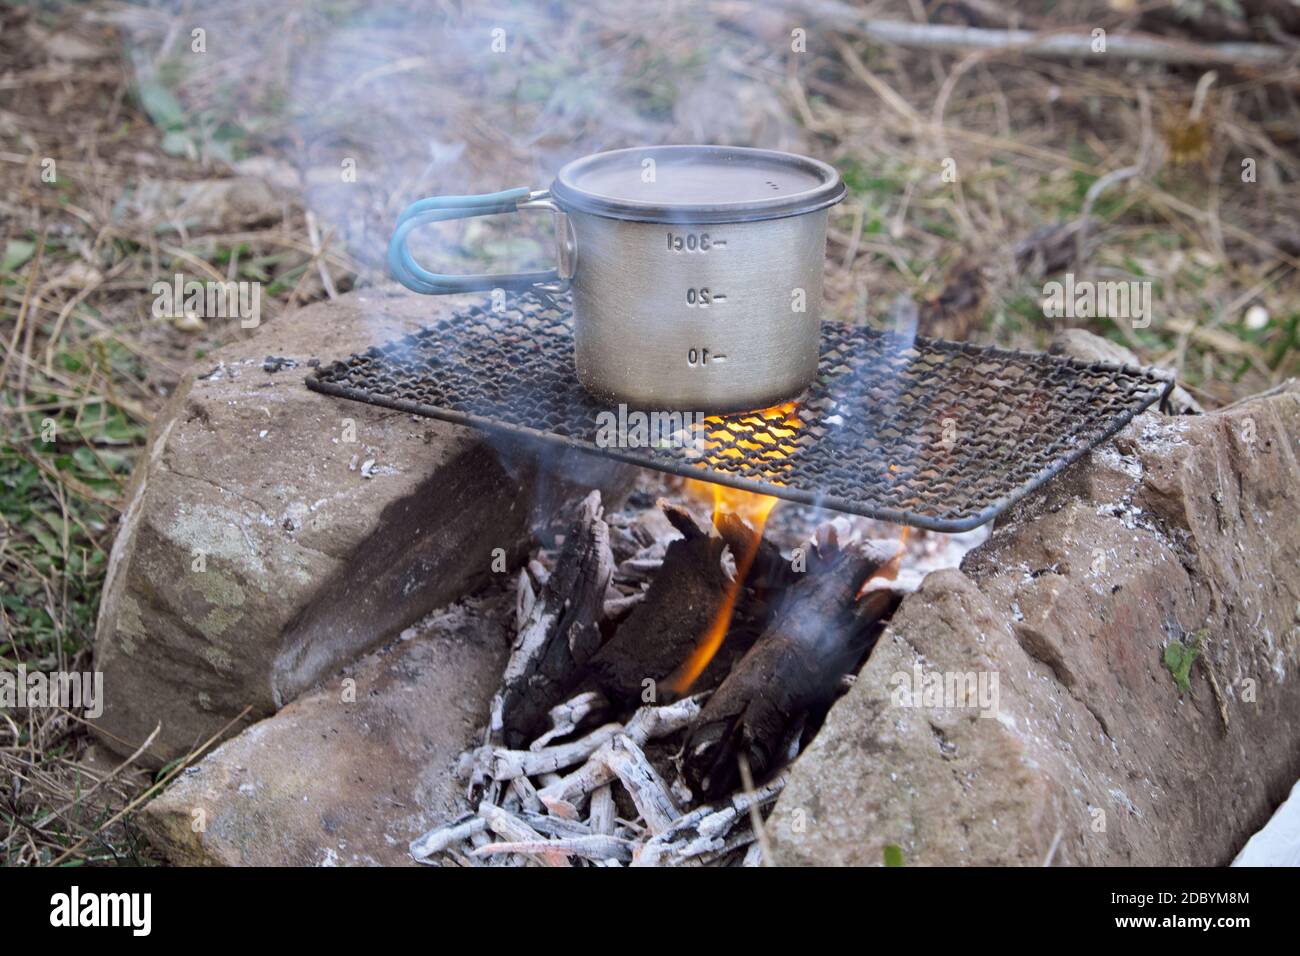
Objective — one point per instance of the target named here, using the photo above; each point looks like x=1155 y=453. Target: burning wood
x=611 y=783
x=756 y=508
x=769 y=571
x=660 y=633
x=795 y=666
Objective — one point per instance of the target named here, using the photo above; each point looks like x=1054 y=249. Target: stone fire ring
x=1181 y=529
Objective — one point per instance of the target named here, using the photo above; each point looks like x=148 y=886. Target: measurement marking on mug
x=703 y=298
x=694 y=242
x=697 y=357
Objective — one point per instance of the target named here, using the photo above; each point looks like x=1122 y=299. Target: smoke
x=367 y=107
x=374 y=105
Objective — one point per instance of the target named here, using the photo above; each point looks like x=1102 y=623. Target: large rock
x=272 y=534
x=1091 y=754
x=349 y=773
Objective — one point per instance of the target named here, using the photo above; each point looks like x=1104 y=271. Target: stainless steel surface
x=698 y=317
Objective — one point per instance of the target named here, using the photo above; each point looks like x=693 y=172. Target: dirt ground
x=276 y=143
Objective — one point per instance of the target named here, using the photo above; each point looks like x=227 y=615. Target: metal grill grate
x=940 y=435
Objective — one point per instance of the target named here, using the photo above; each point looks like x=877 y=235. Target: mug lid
x=696 y=184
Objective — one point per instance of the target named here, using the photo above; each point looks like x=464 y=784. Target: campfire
x=663 y=674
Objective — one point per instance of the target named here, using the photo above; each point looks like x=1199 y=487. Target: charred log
x=797 y=665
x=662 y=629
x=558 y=631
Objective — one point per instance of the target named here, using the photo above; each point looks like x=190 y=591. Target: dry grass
x=85 y=367
x=414 y=97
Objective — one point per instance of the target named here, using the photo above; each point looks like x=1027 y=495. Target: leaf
x=177 y=143
x=163 y=108
x=46 y=540
x=1180 y=655
x=17 y=252
x=893 y=854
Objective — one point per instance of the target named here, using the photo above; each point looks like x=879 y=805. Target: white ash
x=531 y=808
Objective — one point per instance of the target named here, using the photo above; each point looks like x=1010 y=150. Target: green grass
x=67 y=448
x=60 y=480
x=862 y=182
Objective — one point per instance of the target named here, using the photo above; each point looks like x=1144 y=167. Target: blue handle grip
x=440 y=209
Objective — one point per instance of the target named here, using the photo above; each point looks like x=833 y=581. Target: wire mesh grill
x=940 y=435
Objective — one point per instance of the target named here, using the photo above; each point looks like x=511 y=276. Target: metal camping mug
x=696 y=271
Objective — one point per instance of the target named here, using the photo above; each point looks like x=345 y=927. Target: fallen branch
x=1142 y=47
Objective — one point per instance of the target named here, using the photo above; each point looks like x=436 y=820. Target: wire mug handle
x=442 y=208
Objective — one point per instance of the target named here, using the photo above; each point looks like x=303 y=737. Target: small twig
x=646 y=724
x=755 y=818
x=109 y=777
x=647 y=789
x=566 y=717
x=313 y=235
x=440 y=838
x=186 y=761
x=597 y=847
x=602 y=810
x=513 y=830
x=1102 y=183
x=12 y=348
x=509 y=764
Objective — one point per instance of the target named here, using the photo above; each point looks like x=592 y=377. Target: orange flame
x=754 y=509
x=767 y=434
